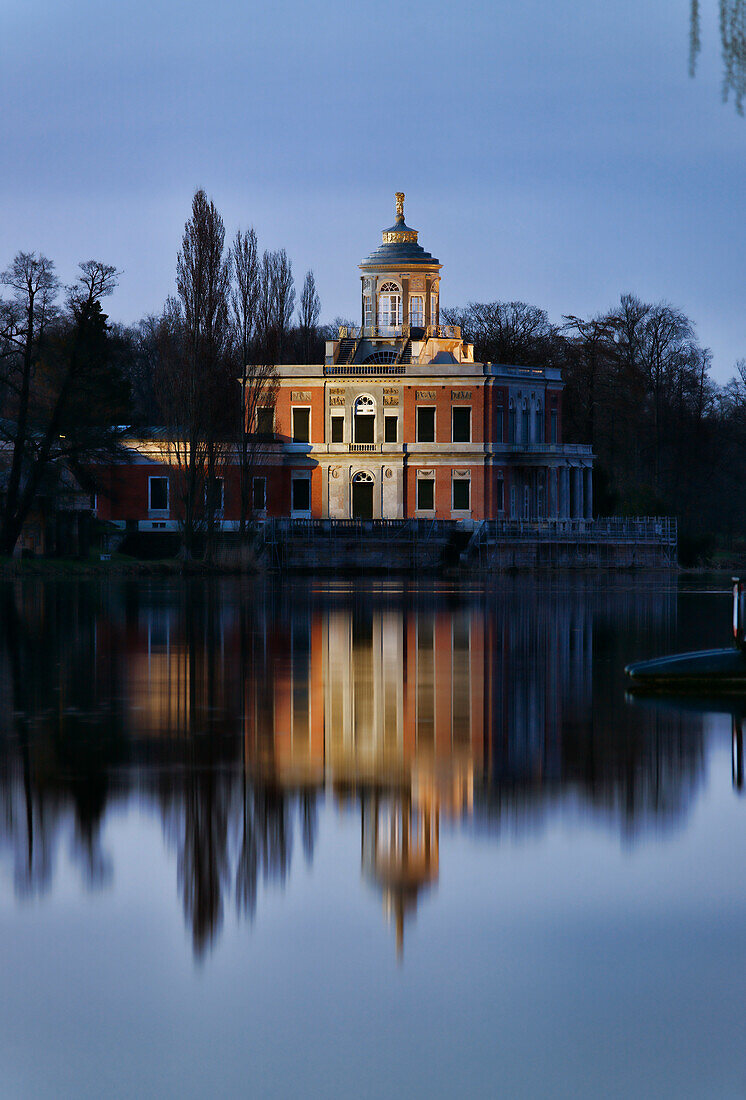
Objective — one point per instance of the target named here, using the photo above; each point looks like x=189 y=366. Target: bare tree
x=308 y=315
x=57 y=395
x=257 y=373
x=284 y=297
x=196 y=372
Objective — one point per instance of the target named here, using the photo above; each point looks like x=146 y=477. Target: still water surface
x=372 y=840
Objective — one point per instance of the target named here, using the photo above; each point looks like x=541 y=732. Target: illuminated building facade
x=398 y=422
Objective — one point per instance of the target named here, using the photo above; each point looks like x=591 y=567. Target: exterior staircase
x=347 y=349
x=405 y=355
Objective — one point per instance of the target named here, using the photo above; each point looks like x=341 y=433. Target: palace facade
x=398 y=422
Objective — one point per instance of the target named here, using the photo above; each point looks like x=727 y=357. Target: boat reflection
x=231 y=710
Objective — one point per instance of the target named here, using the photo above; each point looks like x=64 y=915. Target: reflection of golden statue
x=399 y=204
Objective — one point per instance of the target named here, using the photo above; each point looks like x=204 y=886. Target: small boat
x=708 y=671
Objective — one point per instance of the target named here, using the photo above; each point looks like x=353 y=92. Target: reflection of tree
x=65 y=737
x=190 y=685
x=733 y=46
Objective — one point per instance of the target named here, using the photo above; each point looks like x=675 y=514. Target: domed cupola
x=399 y=245
x=400 y=281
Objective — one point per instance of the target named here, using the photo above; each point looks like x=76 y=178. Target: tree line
x=70 y=380
x=668 y=439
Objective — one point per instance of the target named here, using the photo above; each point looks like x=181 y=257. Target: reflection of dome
x=400 y=852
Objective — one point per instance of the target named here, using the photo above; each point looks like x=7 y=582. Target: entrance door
x=362 y=498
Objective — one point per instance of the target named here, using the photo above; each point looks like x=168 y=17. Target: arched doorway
x=362 y=496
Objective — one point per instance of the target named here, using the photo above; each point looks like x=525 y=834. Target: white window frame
x=395 y=418
x=221 y=508
x=431 y=479
x=301 y=513
x=453 y=409
x=332 y=417
x=300 y=442
x=263 y=509
x=159 y=511
x=417 y=423
x=420 y=323
x=454 y=481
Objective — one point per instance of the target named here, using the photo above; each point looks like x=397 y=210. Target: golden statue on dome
x=399 y=196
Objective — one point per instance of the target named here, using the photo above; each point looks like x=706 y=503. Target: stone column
x=588 y=473
x=579 y=498
x=428 y=284
x=405 y=301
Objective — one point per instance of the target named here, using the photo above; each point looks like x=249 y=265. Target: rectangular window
x=553 y=425
x=259 y=494
x=500 y=495
x=425 y=494
x=425 y=424
x=215 y=494
x=461 y=424
x=390 y=432
x=265 y=420
x=511 y=424
x=158 y=494
x=301 y=418
x=301 y=496
x=338 y=429
x=461 y=494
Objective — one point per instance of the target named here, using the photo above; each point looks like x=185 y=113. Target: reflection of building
x=400 y=845
x=410 y=708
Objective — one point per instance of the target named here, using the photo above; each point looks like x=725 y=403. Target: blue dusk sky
x=555 y=153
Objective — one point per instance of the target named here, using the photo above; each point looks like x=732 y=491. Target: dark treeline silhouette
x=638 y=388
x=63 y=385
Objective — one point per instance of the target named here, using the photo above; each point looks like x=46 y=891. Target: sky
x=559 y=154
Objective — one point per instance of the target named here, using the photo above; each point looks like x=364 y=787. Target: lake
x=328 y=838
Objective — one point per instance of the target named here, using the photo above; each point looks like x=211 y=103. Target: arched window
x=364 y=476
x=417 y=311
x=511 y=421
x=434 y=319
x=525 y=437
x=389 y=306
x=382 y=357
x=365 y=419
x=539 y=421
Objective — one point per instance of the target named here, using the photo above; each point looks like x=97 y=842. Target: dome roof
x=399 y=245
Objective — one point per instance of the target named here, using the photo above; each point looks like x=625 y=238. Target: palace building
x=400 y=422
